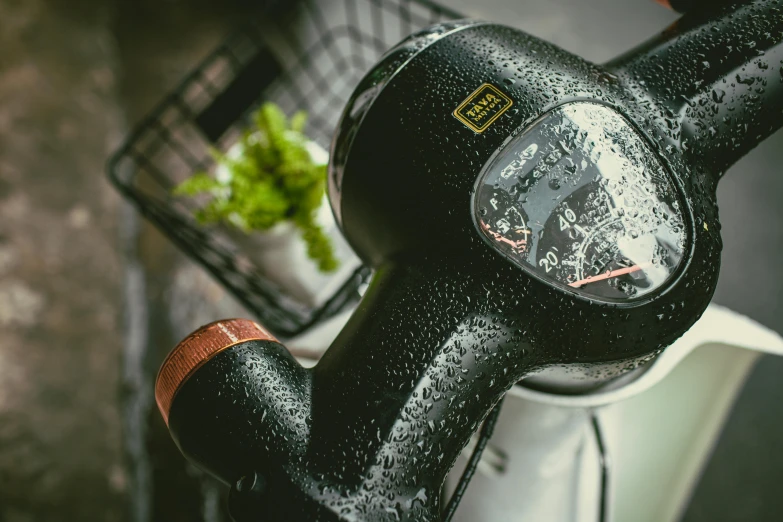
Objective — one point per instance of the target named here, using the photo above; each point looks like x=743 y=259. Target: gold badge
x=482 y=107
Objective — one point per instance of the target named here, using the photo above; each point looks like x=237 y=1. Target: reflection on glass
x=581 y=199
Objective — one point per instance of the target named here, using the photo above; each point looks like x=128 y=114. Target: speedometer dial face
x=581 y=200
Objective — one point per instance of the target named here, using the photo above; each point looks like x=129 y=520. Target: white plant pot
x=281 y=254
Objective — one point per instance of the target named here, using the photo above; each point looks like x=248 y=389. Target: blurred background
x=92 y=297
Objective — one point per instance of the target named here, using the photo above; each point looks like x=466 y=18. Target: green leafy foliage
x=272 y=181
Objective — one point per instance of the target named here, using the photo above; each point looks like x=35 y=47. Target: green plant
x=272 y=181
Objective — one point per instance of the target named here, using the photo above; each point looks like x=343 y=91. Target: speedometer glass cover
x=581 y=200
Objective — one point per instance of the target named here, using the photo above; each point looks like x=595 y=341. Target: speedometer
x=581 y=199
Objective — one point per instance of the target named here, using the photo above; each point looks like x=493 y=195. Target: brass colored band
x=198 y=348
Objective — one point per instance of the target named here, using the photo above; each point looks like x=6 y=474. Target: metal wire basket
x=310 y=56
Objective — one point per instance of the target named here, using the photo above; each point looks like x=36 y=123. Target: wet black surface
x=91 y=297
x=742 y=480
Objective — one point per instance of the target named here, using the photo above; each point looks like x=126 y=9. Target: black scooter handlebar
x=716 y=80
x=458 y=312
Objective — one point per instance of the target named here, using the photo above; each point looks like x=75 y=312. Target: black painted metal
x=684 y=6
x=481 y=443
x=448 y=324
x=715 y=81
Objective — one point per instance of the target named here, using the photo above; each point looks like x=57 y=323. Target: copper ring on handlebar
x=198 y=348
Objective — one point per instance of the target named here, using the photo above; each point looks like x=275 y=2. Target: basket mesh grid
x=308 y=57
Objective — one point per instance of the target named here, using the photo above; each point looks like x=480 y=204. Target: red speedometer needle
x=605 y=275
x=519 y=244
